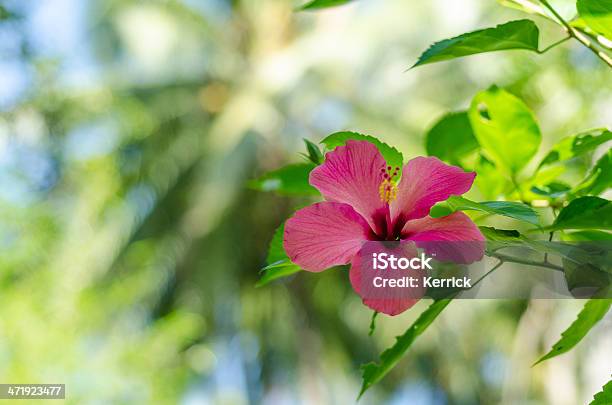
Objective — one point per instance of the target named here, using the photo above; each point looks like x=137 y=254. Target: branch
x=549 y=47
x=579 y=36
x=512 y=259
x=498 y=265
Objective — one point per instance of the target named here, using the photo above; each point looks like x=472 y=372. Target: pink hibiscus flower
x=364 y=203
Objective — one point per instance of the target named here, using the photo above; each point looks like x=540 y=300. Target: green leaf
x=314 y=153
x=490 y=181
x=604 y=397
x=542 y=186
x=279 y=270
x=439 y=210
x=593 y=311
x=590 y=274
x=276 y=251
x=599 y=178
x=502 y=238
x=500 y=235
x=584 y=213
x=505 y=128
x=585 y=279
x=317 y=4
x=579 y=22
x=573 y=151
x=597 y=14
x=552 y=190
x=279 y=264
x=291 y=180
x=576 y=145
x=514 y=210
x=451 y=138
x=586 y=236
x=520 y=34
x=374 y=372
x=4 y=13
x=392 y=156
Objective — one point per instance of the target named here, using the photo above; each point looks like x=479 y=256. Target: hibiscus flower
x=363 y=202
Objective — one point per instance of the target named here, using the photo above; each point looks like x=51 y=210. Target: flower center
x=388 y=187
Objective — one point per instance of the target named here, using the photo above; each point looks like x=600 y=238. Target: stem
x=587 y=42
x=578 y=35
x=498 y=265
x=373 y=323
x=502 y=259
x=550 y=237
x=512 y=259
x=549 y=47
x=593 y=36
x=557 y=16
x=552 y=233
x=517 y=188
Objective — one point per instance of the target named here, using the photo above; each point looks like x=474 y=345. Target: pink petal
x=426 y=181
x=451 y=238
x=391 y=306
x=351 y=174
x=323 y=235
x=390 y=301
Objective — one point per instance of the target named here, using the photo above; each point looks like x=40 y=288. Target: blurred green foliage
x=130 y=242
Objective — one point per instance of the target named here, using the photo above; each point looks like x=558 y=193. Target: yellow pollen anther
x=387 y=191
x=388 y=187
